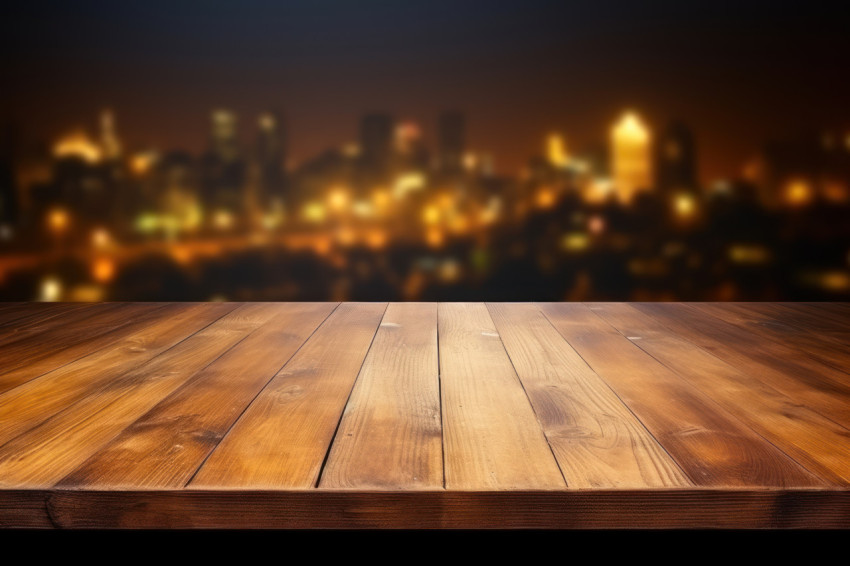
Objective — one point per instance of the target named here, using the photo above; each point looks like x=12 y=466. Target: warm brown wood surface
x=425 y=415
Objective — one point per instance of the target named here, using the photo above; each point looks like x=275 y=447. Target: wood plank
x=806 y=319
x=325 y=509
x=43 y=455
x=166 y=446
x=814 y=441
x=38 y=400
x=27 y=360
x=33 y=320
x=713 y=447
x=779 y=367
x=390 y=436
x=827 y=311
x=598 y=442
x=816 y=347
x=282 y=438
x=492 y=438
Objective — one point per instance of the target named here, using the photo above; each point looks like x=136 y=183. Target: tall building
x=376 y=141
x=675 y=162
x=223 y=135
x=109 y=142
x=271 y=156
x=631 y=158
x=223 y=169
x=451 y=141
x=556 y=151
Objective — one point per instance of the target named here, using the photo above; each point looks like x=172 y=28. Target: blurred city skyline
x=738 y=74
x=377 y=150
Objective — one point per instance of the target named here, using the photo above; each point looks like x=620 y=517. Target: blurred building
x=109 y=142
x=798 y=171
x=631 y=157
x=676 y=159
x=271 y=159
x=376 y=142
x=223 y=169
x=451 y=142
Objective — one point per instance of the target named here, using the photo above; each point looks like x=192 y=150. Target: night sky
x=739 y=73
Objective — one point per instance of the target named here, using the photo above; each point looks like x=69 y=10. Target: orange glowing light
x=322 y=246
x=376 y=239
x=545 y=198
x=434 y=237
x=78 y=145
x=596 y=225
x=58 y=220
x=100 y=238
x=345 y=236
x=798 y=193
x=103 y=270
x=141 y=163
x=381 y=199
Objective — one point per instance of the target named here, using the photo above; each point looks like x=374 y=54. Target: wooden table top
x=425 y=415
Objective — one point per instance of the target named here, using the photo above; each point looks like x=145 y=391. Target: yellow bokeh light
x=685 y=205
x=338 y=199
x=78 y=145
x=313 y=212
x=223 y=219
x=51 y=289
x=431 y=214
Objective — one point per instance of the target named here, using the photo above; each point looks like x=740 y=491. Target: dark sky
x=737 y=72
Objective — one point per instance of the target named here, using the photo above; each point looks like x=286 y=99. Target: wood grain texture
x=40 y=320
x=41 y=397
x=814 y=385
x=325 y=509
x=29 y=359
x=598 y=442
x=805 y=343
x=713 y=447
x=819 y=444
x=174 y=438
x=47 y=452
x=492 y=439
x=423 y=415
x=390 y=436
x=282 y=438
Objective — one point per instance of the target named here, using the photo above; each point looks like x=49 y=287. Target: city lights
x=103 y=270
x=798 y=193
x=631 y=158
x=78 y=145
x=556 y=151
x=51 y=290
x=338 y=199
x=633 y=219
x=685 y=205
x=58 y=220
